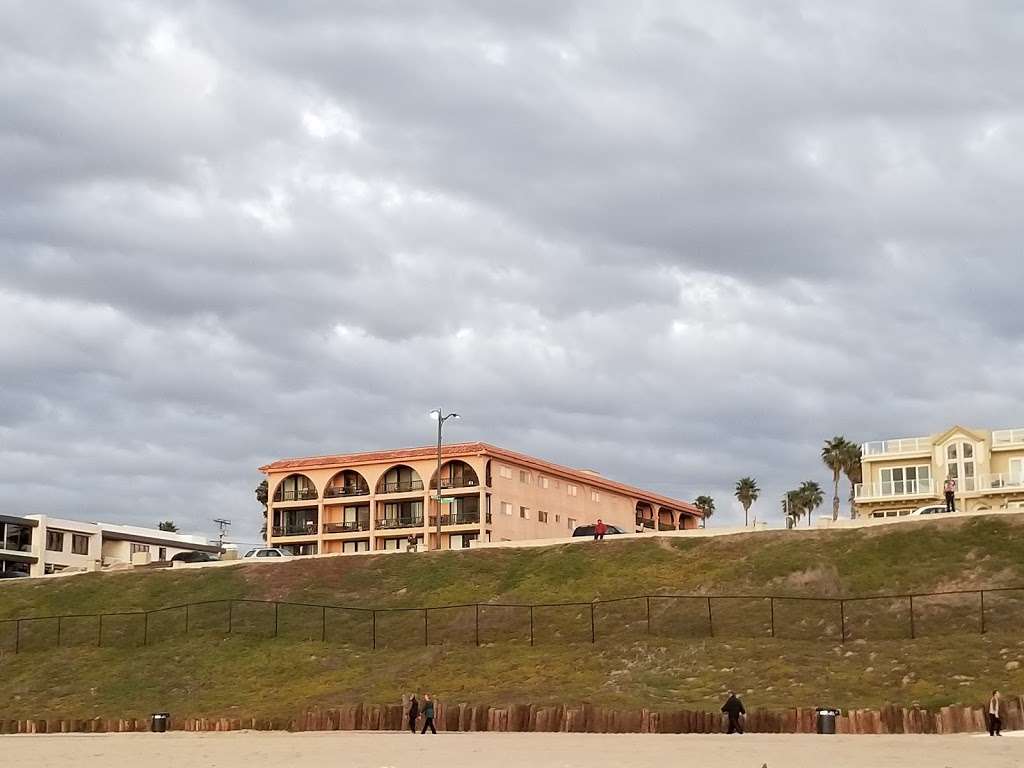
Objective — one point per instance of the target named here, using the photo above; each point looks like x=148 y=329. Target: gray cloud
x=678 y=245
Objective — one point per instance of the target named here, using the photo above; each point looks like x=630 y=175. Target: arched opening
x=666 y=519
x=644 y=515
x=456 y=474
x=348 y=482
x=295 y=487
x=400 y=479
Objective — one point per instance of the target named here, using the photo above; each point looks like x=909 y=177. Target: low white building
x=38 y=545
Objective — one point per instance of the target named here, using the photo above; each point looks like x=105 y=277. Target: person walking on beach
x=949 y=487
x=600 y=530
x=414 y=713
x=733 y=707
x=995 y=723
x=428 y=715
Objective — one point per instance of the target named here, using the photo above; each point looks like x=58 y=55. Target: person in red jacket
x=600 y=530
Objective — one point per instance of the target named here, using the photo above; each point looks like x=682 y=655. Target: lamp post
x=439 y=415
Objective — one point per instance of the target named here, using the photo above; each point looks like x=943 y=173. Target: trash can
x=827 y=720
x=158 y=722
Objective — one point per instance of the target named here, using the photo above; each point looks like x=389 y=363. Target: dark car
x=193 y=557
x=588 y=530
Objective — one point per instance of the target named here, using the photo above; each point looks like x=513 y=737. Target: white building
x=38 y=545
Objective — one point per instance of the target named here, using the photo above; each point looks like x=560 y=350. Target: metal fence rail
x=838 y=619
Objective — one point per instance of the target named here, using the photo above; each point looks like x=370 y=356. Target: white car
x=931 y=509
x=264 y=552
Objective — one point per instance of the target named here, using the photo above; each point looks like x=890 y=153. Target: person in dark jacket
x=428 y=715
x=414 y=713
x=733 y=707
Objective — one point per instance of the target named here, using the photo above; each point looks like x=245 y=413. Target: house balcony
x=342 y=491
x=904 y=446
x=297 y=494
x=389 y=523
x=460 y=518
x=897 y=489
x=350 y=526
x=1007 y=438
x=1010 y=483
x=401 y=486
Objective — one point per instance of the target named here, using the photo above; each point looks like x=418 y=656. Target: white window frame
x=505 y=471
x=524 y=513
x=904 y=483
x=595 y=496
x=571 y=490
x=507 y=507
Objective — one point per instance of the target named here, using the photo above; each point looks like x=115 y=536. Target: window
x=462 y=540
x=570 y=490
x=162 y=554
x=524 y=513
x=571 y=522
x=595 y=496
x=1017 y=471
x=542 y=516
x=505 y=472
x=136 y=548
x=960 y=465
x=79 y=544
x=17 y=538
x=902 y=481
x=558 y=518
x=542 y=481
x=524 y=476
x=359 y=545
x=506 y=507
x=54 y=541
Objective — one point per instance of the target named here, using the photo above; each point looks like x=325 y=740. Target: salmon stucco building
x=376 y=501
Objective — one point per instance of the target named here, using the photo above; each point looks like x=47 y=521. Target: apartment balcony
x=1007 y=438
x=460 y=518
x=401 y=486
x=1002 y=482
x=448 y=483
x=388 y=523
x=297 y=494
x=340 y=491
x=298 y=529
x=351 y=526
x=901 y=447
x=897 y=489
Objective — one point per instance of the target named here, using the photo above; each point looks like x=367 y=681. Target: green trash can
x=158 y=722
x=827 y=720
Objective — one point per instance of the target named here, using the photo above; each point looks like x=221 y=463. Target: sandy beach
x=248 y=749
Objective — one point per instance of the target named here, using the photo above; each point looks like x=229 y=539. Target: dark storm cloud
x=677 y=245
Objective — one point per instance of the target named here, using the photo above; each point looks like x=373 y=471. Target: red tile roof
x=455 y=450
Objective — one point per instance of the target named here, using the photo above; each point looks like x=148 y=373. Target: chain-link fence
x=839 y=620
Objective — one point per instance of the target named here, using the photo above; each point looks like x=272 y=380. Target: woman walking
x=428 y=715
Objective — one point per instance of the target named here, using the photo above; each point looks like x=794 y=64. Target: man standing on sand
x=428 y=715
x=949 y=487
x=414 y=713
x=733 y=707
x=995 y=723
x=600 y=530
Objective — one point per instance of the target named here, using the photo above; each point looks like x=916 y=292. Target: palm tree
x=833 y=454
x=707 y=507
x=811 y=496
x=746 y=494
x=852 y=469
x=791 y=506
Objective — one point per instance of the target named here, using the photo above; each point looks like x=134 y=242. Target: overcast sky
x=676 y=243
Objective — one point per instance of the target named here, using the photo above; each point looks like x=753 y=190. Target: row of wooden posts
x=567 y=719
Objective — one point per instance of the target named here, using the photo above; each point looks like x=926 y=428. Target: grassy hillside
x=672 y=665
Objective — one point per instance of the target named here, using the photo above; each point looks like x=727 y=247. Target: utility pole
x=439 y=414
x=223 y=525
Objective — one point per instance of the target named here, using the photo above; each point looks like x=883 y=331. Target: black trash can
x=827 y=720
x=158 y=722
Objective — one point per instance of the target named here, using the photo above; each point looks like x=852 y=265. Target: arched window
x=347 y=483
x=456 y=474
x=295 y=488
x=400 y=479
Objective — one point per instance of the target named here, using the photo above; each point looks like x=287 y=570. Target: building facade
x=39 y=545
x=366 y=502
x=903 y=474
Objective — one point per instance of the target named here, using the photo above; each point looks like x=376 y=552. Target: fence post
x=17 y=636
x=58 y=631
x=531 y=625
x=478 y=625
x=842 y=621
x=648 y=614
x=373 y=629
x=99 y=633
x=912 y=633
x=982 y=594
x=711 y=624
x=425 y=635
x=593 y=626
x=771 y=608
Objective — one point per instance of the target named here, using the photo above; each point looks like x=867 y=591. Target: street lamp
x=439 y=416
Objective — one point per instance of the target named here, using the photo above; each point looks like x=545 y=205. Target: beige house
x=363 y=502
x=904 y=474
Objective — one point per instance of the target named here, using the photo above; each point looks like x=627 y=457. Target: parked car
x=262 y=552
x=194 y=557
x=931 y=509
x=588 y=530
x=14 y=575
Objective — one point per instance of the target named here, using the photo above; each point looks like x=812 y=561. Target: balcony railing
x=897 y=488
x=460 y=518
x=1004 y=437
x=414 y=521
x=458 y=482
x=11 y=546
x=304 y=529
x=346 y=490
x=1001 y=481
x=351 y=526
x=666 y=527
x=643 y=522
x=902 y=445
x=298 y=494
x=401 y=486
